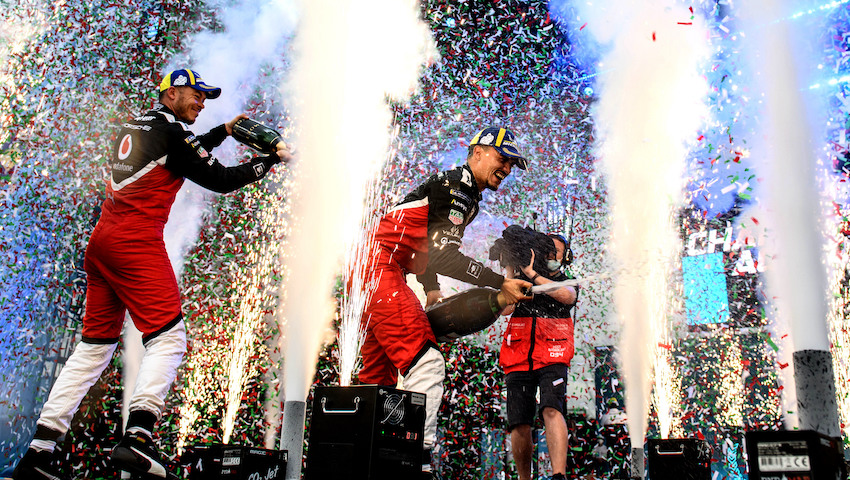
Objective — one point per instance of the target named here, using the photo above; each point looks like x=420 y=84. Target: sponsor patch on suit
x=474 y=269
x=455 y=217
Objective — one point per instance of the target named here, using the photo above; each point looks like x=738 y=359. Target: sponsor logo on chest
x=557 y=351
x=125 y=147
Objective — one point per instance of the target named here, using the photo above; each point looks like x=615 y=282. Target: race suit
x=127 y=266
x=126 y=262
x=420 y=235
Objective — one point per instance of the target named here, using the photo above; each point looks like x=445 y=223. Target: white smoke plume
x=650 y=104
x=781 y=56
x=350 y=56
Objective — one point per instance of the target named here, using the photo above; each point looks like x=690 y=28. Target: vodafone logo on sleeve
x=125 y=147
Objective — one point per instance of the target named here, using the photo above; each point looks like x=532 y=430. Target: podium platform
x=365 y=432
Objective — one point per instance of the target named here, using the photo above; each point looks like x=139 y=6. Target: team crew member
x=536 y=351
x=128 y=268
x=422 y=235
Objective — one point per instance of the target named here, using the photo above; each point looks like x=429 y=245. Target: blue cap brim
x=212 y=92
x=521 y=161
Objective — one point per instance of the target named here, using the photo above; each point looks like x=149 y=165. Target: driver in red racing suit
x=128 y=268
x=422 y=235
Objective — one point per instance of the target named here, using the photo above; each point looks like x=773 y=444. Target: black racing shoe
x=37 y=466
x=137 y=454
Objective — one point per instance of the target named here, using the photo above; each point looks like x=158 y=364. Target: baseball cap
x=188 y=78
x=504 y=141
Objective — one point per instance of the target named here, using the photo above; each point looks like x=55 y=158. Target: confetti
x=518 y=65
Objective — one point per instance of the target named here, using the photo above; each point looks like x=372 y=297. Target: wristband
x=534 y=277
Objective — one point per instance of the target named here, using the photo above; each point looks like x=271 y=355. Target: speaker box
x=679 y=459
x=365 y=432
x=234 y=462
x=794 y=455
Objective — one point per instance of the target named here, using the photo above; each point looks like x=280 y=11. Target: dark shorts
x=522 y=392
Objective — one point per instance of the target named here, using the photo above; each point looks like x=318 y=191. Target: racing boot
x=37 y=465
x=137 y=454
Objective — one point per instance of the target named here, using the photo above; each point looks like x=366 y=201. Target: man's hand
x=513 y=291
x=432 y=297
x=283 y=152
x=229 y=125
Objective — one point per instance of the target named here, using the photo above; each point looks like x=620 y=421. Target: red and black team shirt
x=541 y=332
x=423 y=232
x=151 y=157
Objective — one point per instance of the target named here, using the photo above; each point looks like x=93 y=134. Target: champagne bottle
x=256 y=135
x=463 y=314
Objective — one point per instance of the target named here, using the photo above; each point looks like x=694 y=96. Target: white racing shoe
x=137 y=454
